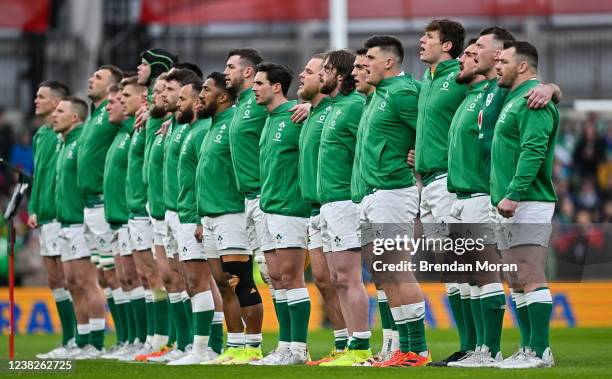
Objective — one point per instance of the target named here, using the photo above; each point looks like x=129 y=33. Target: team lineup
x=158 y=197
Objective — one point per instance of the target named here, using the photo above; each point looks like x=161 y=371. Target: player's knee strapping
x=246 y=290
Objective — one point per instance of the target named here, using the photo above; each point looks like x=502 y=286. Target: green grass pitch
x=579 y=353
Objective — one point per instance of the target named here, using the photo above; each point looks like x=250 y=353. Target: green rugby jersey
x=439 y=98
x=187 y=166
x=68 y=199
x=389 y=133
x=171 y=157
x=216 y=189
x=466 y=171
x=115 y=172
x=244 y=135
x=279 y=160
x=337 y=150
x=310 y=139
x=135 y=187
x=45 y=144
x=358 y=186
x=98 y=134
x=152 y=127
x=522 y=153
x=491 y=108
x=155 y=176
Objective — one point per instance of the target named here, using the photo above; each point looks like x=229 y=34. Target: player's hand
x=33 y=221
x=410 y=158
x=141 y=117
x=164 y=128
x=300 y=112
x=539 y=96
x=507 y=207
x=199 y=233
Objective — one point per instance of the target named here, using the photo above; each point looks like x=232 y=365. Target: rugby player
x=470 y=218
x=94 y=142
x=139 y=228
x=244 y=136
x=173 y=142
x=339 y=215
x=160 y=114
x=224 y=228
x=522 y=155
x=68 y=118
x=286 y=211
x=191 y=255
x=41 y=209
x=390 y=342
x=390 y=202
x=440 y=96
x=116 y=214
x=310 y=137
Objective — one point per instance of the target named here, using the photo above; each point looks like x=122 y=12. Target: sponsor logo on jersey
x=279 y=132
x=220 y=134
x=502 y=116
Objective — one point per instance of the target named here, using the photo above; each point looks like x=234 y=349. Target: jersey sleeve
x=354 y=116
x=406 y=104
x=535 y=128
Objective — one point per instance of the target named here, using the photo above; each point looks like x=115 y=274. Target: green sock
x=112 y=307
x=492 y=303
x=539 y=305
x=402 y=329
x=298 y=301
x=385 y=314
x=215 y=342
x=203 y=313
x=96 y=332
x=340 y=339
x=415 y=316
x=360 y=341
x=122 y=309
x=476 y=313
x=468 y=342
x=160 y=313
x=131 y=322
x=385 y=319
x=522 y=317
x=181 y=324
x=171 y=328
x=82 y=337
x=391 y=320
x=65 y=310
x=139 y=309
x=189 y=313
x=454 y=300
x=283 y=315
x=150 y=313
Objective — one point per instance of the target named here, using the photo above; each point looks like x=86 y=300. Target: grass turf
x=579 y=352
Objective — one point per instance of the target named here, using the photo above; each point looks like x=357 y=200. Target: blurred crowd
x=583 y=182
x=583 y=171
x=582 y=175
